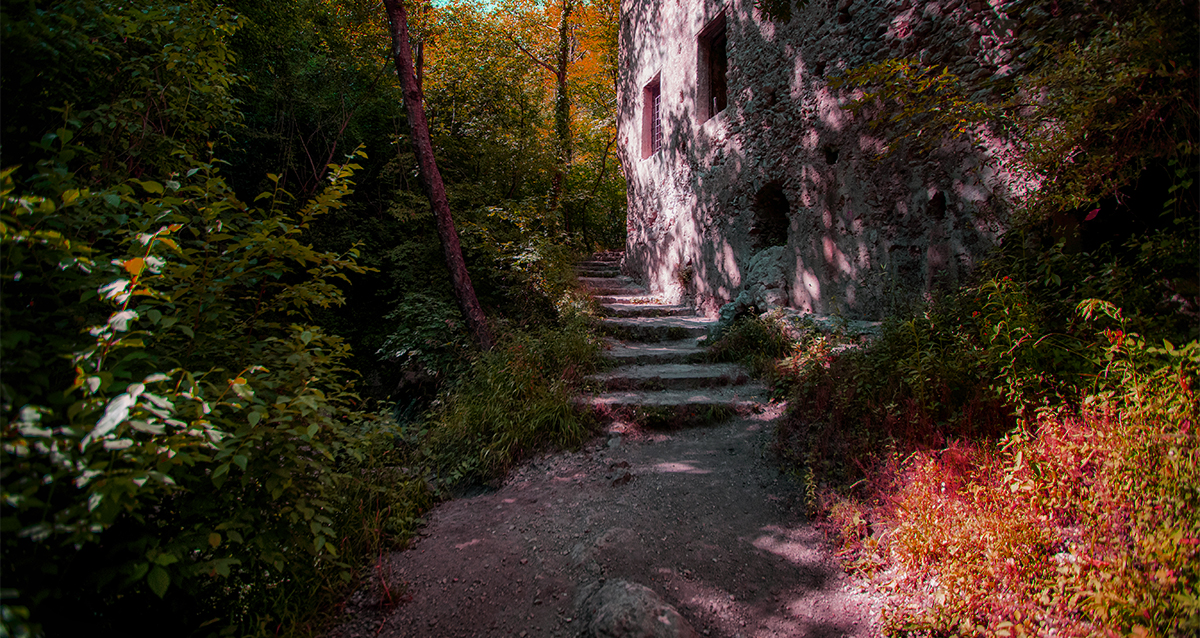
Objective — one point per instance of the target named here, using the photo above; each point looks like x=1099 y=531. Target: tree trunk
x=431 y=178
x=562 y=108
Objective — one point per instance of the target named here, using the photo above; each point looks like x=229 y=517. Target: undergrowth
x=1020 y=458
x=756 y=342
x=515 y=400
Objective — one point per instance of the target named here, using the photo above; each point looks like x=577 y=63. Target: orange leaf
x=135 y=266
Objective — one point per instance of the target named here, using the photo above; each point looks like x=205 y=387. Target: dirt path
x=701 y=516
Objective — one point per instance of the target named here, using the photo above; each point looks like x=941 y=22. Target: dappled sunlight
x=473 y=541
x=578 y=476
x=678 y=468
x=864 y=230
x=797 y=546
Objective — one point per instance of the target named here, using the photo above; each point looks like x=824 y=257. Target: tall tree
x=431 y=178
x=564 y=55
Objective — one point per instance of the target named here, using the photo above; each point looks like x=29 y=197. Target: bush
x=756 y=342
x=186 y=451
x=1013 y=479
x=515 y=400
x=1076 y=523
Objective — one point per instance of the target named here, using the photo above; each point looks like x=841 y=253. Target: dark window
x=718 y=62
x=712 y=91
x=651 y=118
x=771 y=217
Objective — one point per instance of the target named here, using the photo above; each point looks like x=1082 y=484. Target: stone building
x=749 y=181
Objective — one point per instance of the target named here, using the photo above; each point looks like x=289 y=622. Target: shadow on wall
x=784 y=165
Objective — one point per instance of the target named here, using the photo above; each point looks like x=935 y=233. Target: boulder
x=621 y=609
x=765 y=286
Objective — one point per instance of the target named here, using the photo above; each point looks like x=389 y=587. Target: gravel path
x=702 y=516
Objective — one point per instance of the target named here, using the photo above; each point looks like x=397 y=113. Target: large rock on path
x=620 y=609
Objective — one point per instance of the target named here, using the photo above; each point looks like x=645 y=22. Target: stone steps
x=670 y=376
x=744 y=398
x=612 y=285
x=644 y=353
x=634 y=298
x=641 y=328
x=618 y=309
x=661 y=376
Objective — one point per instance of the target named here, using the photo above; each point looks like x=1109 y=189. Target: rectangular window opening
x=651 y=118
x=712 y=68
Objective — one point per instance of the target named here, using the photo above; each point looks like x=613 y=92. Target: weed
x=753 y=341
x=515 y=400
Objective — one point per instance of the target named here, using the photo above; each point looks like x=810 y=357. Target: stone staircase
x=660 y=374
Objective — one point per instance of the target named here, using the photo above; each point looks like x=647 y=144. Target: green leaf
x=158 y=580
x=306 y=337
x=112 y=199
x=214 y=539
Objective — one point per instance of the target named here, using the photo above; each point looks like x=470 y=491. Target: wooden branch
x=534 y=57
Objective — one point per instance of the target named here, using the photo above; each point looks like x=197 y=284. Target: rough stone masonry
x=749 y=181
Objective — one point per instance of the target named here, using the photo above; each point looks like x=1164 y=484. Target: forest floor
x=703 y=516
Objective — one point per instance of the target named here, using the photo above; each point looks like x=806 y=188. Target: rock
x=766 y=286
x=620 y=609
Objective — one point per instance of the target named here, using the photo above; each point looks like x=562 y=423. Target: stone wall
x=777 y=200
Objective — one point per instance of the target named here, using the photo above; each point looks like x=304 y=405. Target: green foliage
x=139 y=82
x=754 y=341
x=162 y=398
x=515 y=400
x=929 y=104
x=183 y=445
x=779 y=11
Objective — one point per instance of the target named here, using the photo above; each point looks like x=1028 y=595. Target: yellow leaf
x=239 y=381
x=214 y=539
x=135 y=266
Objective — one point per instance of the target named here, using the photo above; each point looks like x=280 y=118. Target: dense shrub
x=754 y=341
x=515 y=400
x=1077 y=522
x=1019 y=458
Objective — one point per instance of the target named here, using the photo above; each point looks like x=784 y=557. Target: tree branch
x=534 y=57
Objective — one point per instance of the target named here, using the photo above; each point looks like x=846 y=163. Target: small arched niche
x=771 y=213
